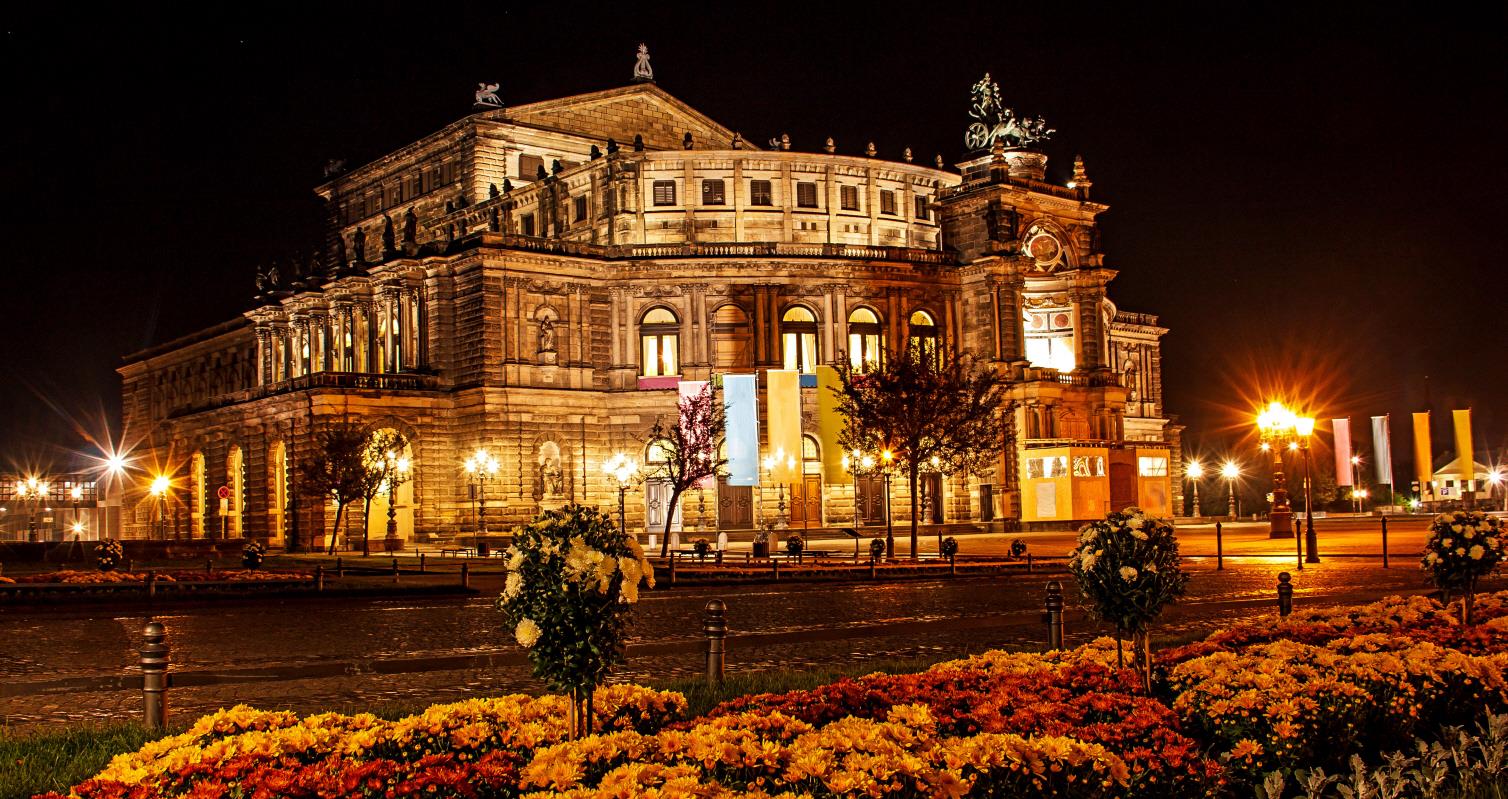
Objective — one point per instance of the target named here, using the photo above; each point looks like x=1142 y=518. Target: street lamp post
x=623 y=470
x=1230 y=471
x=160 y=485
x=76 y=493
x=780 y=457
x=1275 y=425
x=1194 y=471
x=1356 y=492
x=1304 y=428
x=481 y=466
x=397 y=469
x=1496 y=478
x=888 y=458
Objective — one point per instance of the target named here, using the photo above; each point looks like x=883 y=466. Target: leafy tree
x=689 y=448
x=931 y=408
x=338 y=470
x=382 y=456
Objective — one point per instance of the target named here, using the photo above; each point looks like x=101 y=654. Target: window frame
x=761 y=189
x=922 y=212
x=655 y=197
x=795 y=336
x=579 y=209
x=865 y=334
x=848 y=197
x=804 y=188
x=719 y=194
x=887 y=202
x=659 y=333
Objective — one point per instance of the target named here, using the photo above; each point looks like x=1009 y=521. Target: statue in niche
x=551 y=476
x=359 y=243
x=340 y=253
x=389 y=240
x=410 y=227
x=546 y=335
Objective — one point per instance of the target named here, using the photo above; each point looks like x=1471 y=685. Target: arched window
x=731 y=335
x=277 y=496
x=923 y=331
x=811 y=455
x=866 y=339
x=798 y=338
x=659 y=336
x=235 y=477
x=196 y=495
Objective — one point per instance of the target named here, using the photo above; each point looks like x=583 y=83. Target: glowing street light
x=160 y=486
x=481 y=467
x=770 y=462
x=1194 y=471
x=1230 y=471
x=1497 y=478
x=1275 y=425
x=625 y=472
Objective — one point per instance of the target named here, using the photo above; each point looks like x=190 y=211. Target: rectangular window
x=806 y=195
x=660 y=357
x=1154 y=466
x=664 y=192
x=799 y=351
x=712 y=192
x=850 y=197
x=529 y=166
x=759 y=193
x=580 y=208
x=887 y=202
x=921 y=208
x=526 y=225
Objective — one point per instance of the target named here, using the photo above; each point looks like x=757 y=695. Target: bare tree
x=338 y=470
x=383 y=453
x=931 y=408
x=689 y=448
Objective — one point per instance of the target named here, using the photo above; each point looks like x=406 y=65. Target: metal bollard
x=874 y=568
x=1028 y=561
x=340 y=567
x=209 y=564
x=465 y=575
x=719 y=560
x=154 y=676
x=1219 y=548
x=319 y=578
x=128 y=566
x=151 y=582
x=1384 y=542
x=1285 y=593
x=715 y=625
x=395 y=570
x=1054 y=615
x=952 y=566
x=775 y=567
x=672 y=568
x=421 y=562
x=1298 y=544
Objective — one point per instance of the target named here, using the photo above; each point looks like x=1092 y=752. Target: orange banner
x=1424 y=461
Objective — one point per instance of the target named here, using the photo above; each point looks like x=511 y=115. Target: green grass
x=53 y=761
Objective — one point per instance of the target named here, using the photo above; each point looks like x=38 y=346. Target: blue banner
x=741 y=410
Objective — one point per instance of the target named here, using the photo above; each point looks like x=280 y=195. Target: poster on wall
x=1047 y=500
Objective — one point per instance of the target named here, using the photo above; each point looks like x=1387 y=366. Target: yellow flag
x=1464 y=455
x=783 y=395
x=829 y=424
x=1424 y=462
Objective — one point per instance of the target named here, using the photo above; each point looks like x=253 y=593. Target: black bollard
x=1384 y=542
x=1219 y=547
x=395 y=570
x=154 y=676
x=1285 y=593
x=1028 y=561
x=672 y=568
x=421 y=562
x=465 y=575
x=319 y=578
x=775 y=567
x=715 y=625
x=1054 y=615
x=151 y=582
x=340 y=567
x=209 y=565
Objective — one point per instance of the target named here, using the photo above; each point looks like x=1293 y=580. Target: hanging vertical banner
x=1343 y=469
x=741 y=412
x=1465 y=456
x=829 y=424
x=783 y=395
x=1424 y=461
x=690 y=390
x=1382 y=449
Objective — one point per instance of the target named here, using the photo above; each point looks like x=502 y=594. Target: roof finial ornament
x=686 y=142
x=638 y=142
x=907 y=155
x=829 y=146
x=738 y=140
x=486 y=96
x=870 y=150
x=994 y=122
x=643 y=72
x=938 y=160
x=785 y=141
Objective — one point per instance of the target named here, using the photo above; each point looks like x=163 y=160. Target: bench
x=458 y=552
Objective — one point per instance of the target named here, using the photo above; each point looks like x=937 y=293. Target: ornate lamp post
x=887 y=460
x=1276 y=425
x=1304 y=428
x=1194 y=471
x=1356 y=491
x=770 y=462
x=160 y=486
x=625 y=472
x=481 y=467
x=1230 y=471
x=397 y=472
x=76 y=493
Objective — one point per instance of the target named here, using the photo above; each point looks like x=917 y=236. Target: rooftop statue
x=642 y=70
x=994 y=122
x=486 y=95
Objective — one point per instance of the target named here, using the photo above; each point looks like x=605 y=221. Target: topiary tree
x=1127 y=566
x=1461 y=548
x=573 y=574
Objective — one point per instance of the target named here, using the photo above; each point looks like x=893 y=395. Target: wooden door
x=870 y=496
x=1122 y=485
x=986 y=502
x=806 y=501
x=931 y=489
x=735 y=506
x=656 y=500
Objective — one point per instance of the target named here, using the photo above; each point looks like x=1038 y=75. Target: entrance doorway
x=931 y=487
x=656 y=500
x=870 y=498
x=806 y=501
x=735 y=506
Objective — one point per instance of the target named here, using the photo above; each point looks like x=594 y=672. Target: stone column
x=1088 y=326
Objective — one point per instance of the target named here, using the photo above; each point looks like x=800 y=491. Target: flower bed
x=185 y=576
x=1304 y=692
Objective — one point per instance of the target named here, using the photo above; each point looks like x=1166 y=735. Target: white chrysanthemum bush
x=1127 y=567
x=1461 y=548
x=572 y=577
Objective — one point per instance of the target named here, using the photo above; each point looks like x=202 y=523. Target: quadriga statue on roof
x=994 y=122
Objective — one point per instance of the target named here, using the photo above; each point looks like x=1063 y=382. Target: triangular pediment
x=639 y=109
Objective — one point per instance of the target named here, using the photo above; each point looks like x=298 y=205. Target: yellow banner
x=1465 y=457
x=1424 y=462
x=783 y=396
x=829 y=424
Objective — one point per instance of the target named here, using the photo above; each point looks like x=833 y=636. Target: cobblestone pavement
x=944 y=617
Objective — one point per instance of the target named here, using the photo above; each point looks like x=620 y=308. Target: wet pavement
x=833 y=624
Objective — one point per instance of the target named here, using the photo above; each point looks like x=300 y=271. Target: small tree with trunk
x=384 y=449
x=931 y=408
x=338 y=470
x=689 y=449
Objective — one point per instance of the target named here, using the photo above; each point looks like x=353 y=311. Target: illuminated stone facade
x=534 y=280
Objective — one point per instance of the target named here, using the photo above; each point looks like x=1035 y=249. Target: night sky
x=1311 y=198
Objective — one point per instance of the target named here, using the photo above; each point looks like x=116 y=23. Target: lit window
x=806 y=195
x=923 y=335
x=712 y=192
x=1152 y=466
x=759 y=193
x=798 y=337
x=866 y=340
x=664 y=192
x=659 y=335
x=1049 y=338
